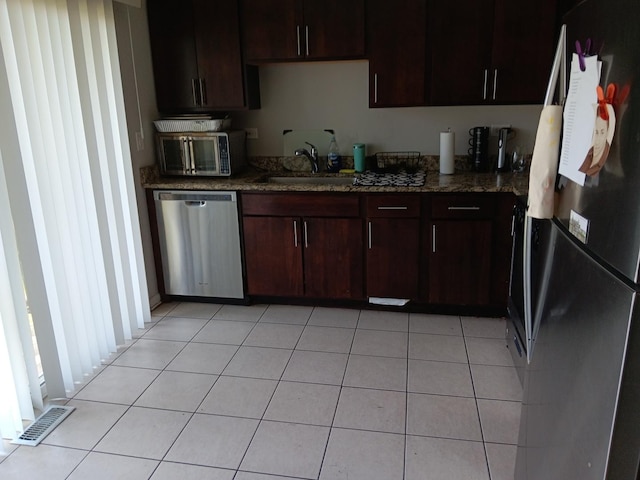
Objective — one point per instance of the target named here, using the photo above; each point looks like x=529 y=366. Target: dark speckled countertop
x=255 y=180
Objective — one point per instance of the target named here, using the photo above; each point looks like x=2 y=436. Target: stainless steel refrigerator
x=581 y=408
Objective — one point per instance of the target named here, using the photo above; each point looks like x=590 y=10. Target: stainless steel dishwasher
x=199 y=243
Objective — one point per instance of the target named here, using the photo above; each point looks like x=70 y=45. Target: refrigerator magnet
x=603 y=131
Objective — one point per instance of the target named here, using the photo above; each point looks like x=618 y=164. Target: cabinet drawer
x=398 y=206
x=301 y=204
x=463 y=206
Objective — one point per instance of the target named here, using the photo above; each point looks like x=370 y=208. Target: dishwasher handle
x=197 y=198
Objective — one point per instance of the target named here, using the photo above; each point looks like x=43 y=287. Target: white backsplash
x=334 y=95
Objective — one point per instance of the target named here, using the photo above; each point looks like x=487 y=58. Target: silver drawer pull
x=464 y=208
x=393 y=208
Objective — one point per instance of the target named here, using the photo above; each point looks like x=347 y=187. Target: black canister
x=479 y=148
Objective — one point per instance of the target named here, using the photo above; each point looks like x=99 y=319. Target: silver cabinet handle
x=192 y=158
x=484 y=88
x=393 y=208
x=495 y=83
x=298 y=37
x=203 y=91
x=370 y=235
x=433 y=239
x=464 y=208
x=375 y=88
x=193 y=91
x=186 y=157
x=306 y=35
x=306 y=235
x=295 y=233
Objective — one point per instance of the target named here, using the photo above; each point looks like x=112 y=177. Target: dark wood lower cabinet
x=393 y=257
x=437 y=250
x=273 y=256
x=303 y=245
x=333 y=258
x=460 y=262
x=467 y=243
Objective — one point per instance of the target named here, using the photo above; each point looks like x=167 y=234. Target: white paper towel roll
x=447 y=147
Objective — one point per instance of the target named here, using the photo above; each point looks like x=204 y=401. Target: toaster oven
x=209 y=154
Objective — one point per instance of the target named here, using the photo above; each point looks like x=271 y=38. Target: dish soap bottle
x=334 y=161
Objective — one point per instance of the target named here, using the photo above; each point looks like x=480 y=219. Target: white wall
x=140 y=103
x=334 y=95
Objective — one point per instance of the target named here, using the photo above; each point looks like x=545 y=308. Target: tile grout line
x=262 y=419
x=475 y=399
x=335 y=413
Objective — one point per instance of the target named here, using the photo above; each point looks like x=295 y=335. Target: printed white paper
x=579 y=117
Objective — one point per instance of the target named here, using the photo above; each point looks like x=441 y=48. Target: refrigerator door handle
x=526 y=268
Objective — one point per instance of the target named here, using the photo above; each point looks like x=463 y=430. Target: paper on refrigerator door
x=579 y=117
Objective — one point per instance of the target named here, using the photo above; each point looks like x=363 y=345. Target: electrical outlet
x=139 y=141
x=495 y=129
x=252 y=133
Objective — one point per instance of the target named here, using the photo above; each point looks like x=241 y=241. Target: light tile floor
x=289 y=392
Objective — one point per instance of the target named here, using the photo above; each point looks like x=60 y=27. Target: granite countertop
x=256 y=180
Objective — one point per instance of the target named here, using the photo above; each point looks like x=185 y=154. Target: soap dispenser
x=334 y=161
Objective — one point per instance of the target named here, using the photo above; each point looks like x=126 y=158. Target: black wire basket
x=394 y=162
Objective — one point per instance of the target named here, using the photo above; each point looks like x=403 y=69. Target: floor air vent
x=43 y=425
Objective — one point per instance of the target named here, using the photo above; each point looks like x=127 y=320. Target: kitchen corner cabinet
x=397 y=46
x=285 y=30
x=197 y=60
x=490 y=51
x=303 y=245
x=468 y=238
x=393 y=245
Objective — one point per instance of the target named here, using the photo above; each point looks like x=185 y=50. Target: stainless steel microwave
x=209 y=154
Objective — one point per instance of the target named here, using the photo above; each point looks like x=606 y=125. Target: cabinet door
x=217 y=34
x=333 y=258
x=397 y=43
x=393 y=256
x=272 y=29
x=273 y=256
x=460 y=262
x=523 y=46
x=333 y=28
x=460 y=50
x=173 y=48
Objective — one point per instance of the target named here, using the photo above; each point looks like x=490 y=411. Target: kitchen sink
x=319 y=180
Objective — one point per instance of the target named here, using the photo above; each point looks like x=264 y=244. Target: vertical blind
x=67 y=199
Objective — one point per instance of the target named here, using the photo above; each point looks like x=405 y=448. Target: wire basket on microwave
x=176 y=126
x=397 y=161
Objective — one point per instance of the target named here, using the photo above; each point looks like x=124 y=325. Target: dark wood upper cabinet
x=490 y=51
x=459 y=51
x=397 y=44
x=286 y=30
x=197 y=59
x=523 y=47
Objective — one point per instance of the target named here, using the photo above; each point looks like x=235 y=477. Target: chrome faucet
x=313 y=156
